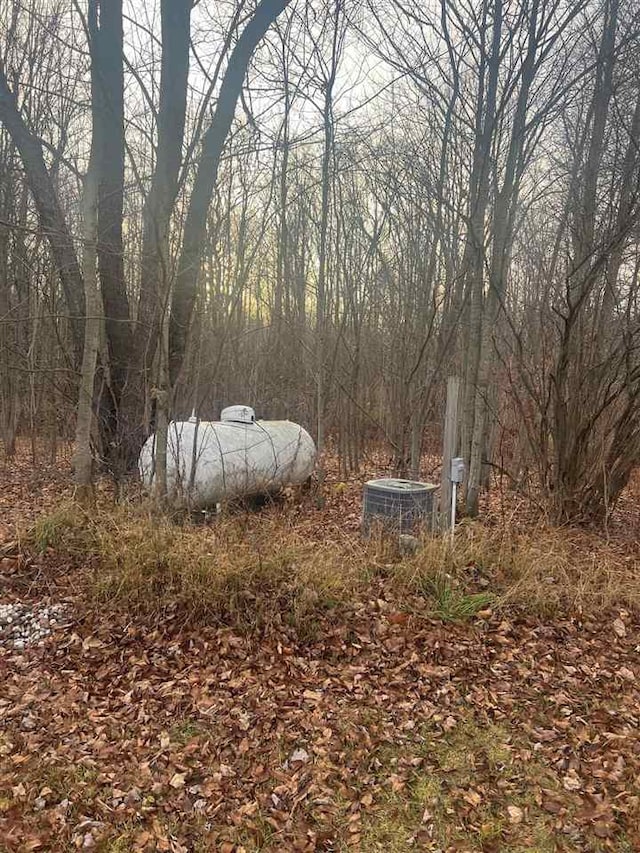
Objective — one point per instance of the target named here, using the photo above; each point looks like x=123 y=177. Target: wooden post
x=449 y=448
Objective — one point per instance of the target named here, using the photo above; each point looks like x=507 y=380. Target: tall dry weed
x=255 y=571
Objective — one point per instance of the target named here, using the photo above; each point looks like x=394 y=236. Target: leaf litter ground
x=386 y=732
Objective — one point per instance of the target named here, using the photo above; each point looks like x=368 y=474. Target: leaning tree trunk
x=50 y=213
x=185 y=290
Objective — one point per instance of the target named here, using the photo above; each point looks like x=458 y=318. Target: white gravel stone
x=23 y=625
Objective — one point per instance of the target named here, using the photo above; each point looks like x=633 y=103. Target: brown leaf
x=312 y=695
x=619 y=628
x=178 y=780
x=398 y=618
x=516 y=815
x=472 y=797
x=545 y=735
x=572 y=781
x=397 y=784
x=602 y=830
x=551 y=805
x=626 y=673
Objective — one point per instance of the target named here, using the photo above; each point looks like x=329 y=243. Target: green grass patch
x=452 y=604
x=459 y=797
x=69 y=530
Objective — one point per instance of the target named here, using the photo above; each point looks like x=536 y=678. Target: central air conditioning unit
x=399 y=506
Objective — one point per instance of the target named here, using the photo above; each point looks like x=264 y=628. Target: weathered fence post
x=449 y=448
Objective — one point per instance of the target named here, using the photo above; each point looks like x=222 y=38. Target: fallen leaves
x=176 y=739
x=181 y=748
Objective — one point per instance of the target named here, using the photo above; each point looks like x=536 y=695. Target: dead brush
x=248 y=576
x=542 y=570
x=550 y=570
x=255 y=571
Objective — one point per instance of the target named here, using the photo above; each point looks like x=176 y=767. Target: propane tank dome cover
x=238 y=414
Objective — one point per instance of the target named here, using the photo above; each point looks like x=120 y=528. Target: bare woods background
x=324 y=209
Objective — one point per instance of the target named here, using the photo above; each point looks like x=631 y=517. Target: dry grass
x=228 y=571
x=543 y=569
x=254 y=571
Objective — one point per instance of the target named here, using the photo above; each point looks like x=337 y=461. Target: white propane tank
x=234 y=457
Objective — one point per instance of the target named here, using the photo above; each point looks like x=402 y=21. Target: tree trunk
x=83 y=458
x=52 y=219
x=184 y=294
x=162 y=421
x=106 y=46
x=155 y=273
x=473 y=261
x=503 y=226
